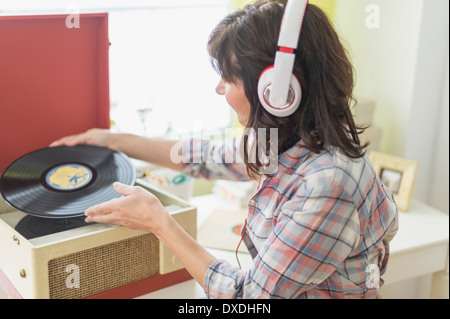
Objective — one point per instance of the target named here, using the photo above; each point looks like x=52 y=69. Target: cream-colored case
x=88 y=260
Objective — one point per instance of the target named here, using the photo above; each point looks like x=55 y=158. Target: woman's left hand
x=138 y=209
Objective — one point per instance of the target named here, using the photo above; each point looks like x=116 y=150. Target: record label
x=68 y=177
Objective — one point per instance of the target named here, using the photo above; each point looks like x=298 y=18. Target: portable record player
x=94 y=260
x=55 y=82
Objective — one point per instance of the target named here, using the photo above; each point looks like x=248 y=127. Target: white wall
x=401 y=65
x=424 y=140
x=385 y=60
x=439 y=190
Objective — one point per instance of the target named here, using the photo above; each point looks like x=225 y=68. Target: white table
x=419 y=249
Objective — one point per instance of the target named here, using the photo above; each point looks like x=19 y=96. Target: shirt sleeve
x=389 y=235
x=315 y=232
x=204 y=159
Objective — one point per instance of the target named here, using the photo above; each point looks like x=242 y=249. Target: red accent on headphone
x=287 y=50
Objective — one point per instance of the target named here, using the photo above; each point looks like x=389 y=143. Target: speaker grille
x=105 y=267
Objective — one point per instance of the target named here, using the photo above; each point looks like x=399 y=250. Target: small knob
x=16 y=239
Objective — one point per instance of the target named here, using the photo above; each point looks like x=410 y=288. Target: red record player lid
x=54 y=80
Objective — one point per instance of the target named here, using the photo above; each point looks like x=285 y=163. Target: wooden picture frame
x=398 y=174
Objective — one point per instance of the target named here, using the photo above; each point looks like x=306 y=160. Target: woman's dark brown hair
x=245 y=42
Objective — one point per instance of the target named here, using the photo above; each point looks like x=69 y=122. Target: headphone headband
x=292 y=23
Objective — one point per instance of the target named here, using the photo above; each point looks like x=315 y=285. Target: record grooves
x=62 y=182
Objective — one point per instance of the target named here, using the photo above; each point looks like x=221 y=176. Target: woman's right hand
x=97 y=137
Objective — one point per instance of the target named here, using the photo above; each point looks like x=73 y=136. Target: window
x=161 y=79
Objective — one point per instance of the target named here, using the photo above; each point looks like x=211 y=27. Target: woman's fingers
x=97 y=137
x=103 y=213
x=67 y=141
x=123 y=189
x=136 y=209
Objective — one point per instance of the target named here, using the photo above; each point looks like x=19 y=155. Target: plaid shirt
x=315 y=229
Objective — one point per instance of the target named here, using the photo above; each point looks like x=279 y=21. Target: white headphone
x=279 y=90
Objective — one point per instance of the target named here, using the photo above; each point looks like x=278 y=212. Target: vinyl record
x=62 y=182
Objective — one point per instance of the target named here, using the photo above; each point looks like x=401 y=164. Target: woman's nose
x=220 y=88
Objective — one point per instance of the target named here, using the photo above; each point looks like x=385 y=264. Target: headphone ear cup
x=295 y=94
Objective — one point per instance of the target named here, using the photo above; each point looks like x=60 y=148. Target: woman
x=321 y=219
